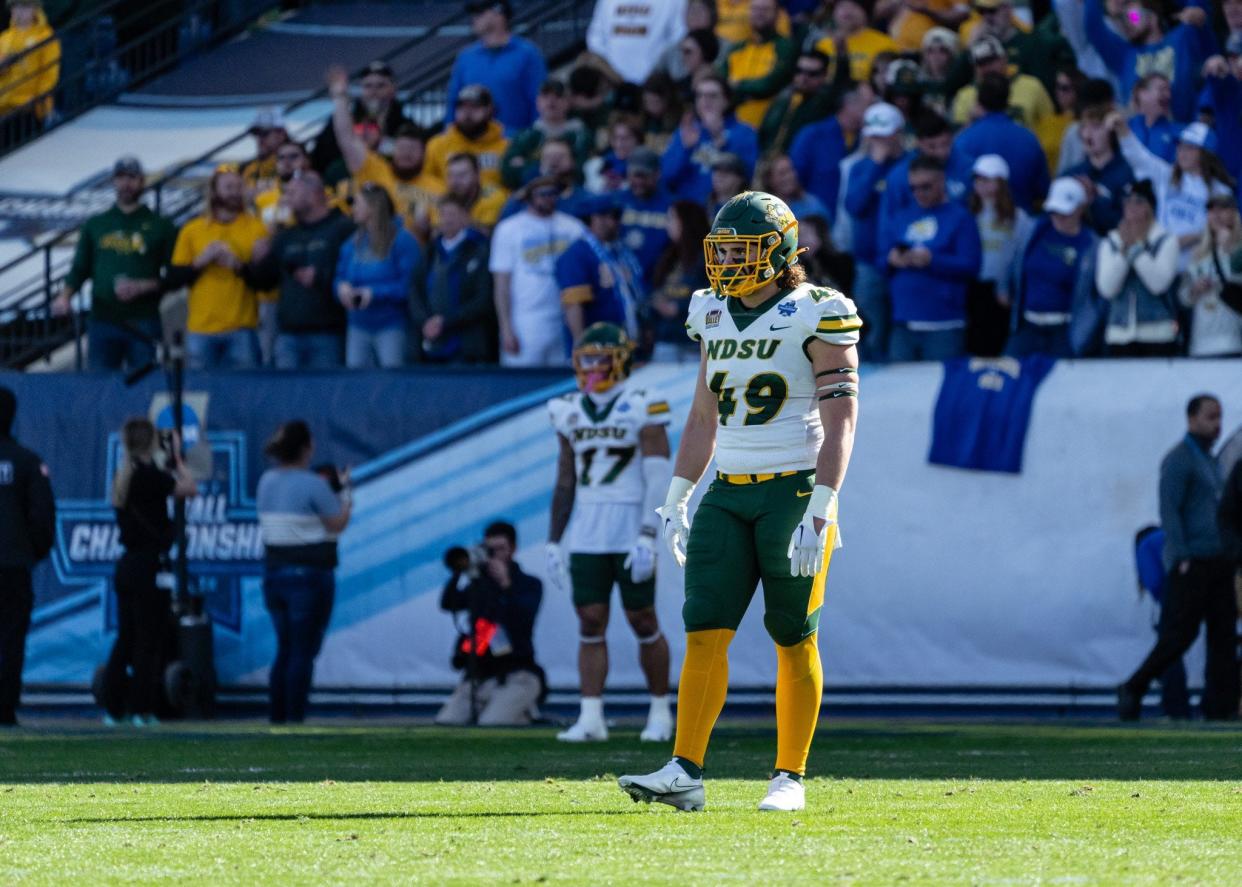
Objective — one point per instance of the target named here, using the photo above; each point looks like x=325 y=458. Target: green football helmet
x=603 y=357
x=753 y=239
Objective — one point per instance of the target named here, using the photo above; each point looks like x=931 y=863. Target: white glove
x=641 y=561
x=676 y=517
x=806 y=545
x=556 y=568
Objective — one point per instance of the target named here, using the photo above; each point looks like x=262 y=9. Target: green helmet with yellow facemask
x=753 y=239
x=603 y=357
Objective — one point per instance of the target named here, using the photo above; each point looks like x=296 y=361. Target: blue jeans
x=871 y=297
x=384 y=348
x=1030 y=338
x=299 y=600
x=308 y=351
x=910 y=345
x=238 y=350
x=112 y=347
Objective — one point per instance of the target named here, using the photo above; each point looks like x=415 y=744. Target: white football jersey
x=604 y=434
x=762 y=377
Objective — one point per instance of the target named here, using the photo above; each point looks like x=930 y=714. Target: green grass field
x=954 y=803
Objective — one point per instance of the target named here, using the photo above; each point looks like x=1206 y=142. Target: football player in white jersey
x=612 y=471
x=776 y=402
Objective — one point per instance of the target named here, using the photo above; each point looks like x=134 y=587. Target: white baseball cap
x=1065 y=196
x=991 y=166
x=883 y=119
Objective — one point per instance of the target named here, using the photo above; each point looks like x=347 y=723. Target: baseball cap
x=1142 y=189
x=902 y=77
x=267 y=119
x=644 y=160
x=380 y=67
x=939 y=36
x=728 y=162
x=991 y=166
x=474 y=94
x=597 y=205
x=1199 y=134
x=987 y=49
x=883 y=119
x=987 y=4
x=1066 y=195
x=129 y=165
x=539 y=183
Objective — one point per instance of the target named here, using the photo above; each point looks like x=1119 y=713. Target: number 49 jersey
x=759 y=370
x=604 y=434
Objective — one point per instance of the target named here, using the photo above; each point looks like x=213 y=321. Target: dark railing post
x=47 y=298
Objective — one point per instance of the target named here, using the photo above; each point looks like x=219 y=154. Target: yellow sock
x=799 y=691
x=701 y=692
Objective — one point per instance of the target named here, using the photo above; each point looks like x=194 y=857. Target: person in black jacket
x=27 y=531
x=302 y=263
x=502 y=682
x=451 y=295
x=377 y=103
x=133 y=674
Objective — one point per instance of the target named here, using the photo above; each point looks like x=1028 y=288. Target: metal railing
x=30 y=331
x=118 y=46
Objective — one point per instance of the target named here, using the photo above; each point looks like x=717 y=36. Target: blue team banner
x=378 y=420
x=983 y=411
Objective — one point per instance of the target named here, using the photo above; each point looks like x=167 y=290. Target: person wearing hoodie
x=702 y=137
x=1145 y=46
x=473 y=131
x=29 y=70
x=1183 y=187
x=1054 y=272
x=373 y=273
x=1136 y=272
x=508 y=66
x=933 y=253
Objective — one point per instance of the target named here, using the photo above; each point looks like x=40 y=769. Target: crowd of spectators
x=1000 y=176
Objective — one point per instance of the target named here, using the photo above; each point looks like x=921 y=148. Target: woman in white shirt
x=1215 y=328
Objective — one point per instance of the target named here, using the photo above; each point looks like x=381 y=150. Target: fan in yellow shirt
x=210 y=257
x=760 y=66
x=862 y=44
x=733 y=21
x=473 y=131
x=1027 y=96
x=914 y=18
x=406 y=178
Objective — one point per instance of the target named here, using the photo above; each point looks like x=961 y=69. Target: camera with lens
x=336 y=477
x=468 y=560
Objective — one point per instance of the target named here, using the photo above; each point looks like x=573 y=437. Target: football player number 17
x=764 y=395
x=621 y=456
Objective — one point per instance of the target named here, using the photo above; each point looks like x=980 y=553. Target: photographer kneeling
x=133 y=675
x=301 y=513
x=501 y=679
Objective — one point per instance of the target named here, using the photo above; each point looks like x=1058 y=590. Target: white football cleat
x=785 y=794
x=585 y=731
x=669 y=785
x=658 y=729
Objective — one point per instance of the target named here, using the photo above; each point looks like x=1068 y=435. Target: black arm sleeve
x=178 y=276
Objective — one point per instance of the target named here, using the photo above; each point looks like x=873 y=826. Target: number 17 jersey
x=609 y=491
x=759 y=370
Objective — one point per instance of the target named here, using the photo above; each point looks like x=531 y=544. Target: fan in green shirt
x=123 y=253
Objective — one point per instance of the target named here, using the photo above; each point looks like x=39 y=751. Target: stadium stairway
x=184 y=123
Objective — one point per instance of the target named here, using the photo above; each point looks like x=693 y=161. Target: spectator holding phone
x=373 y=275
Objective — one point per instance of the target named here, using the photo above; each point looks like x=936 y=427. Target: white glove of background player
x=641 y=561
x=556 y=568
x=676 y=517
x=806 y=545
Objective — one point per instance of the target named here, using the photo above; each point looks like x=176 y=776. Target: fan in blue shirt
x=1152 y=125
x=934 y=139
x=511 y=67
x=996 y=133
x=699 y=142
x=934 y=252
x=1179 y=53
x=599 y=278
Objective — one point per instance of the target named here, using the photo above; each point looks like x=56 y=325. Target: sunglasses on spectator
x=710 y=94
x=289 y=155
x=810 y=72
x=922 y=186
x=545 y=192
